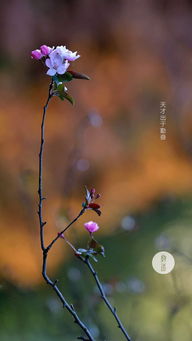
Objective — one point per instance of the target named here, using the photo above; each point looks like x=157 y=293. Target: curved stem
x=42 y=223
x=105 y=299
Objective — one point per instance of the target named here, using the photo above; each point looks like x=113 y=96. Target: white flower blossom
x=56 y=64
x=67 y=54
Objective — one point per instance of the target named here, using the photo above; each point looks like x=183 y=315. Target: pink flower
x=91 y=226
x=45 y=50
x=36 y=54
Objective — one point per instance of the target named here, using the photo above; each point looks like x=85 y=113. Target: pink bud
x=45 y=50
x=91 y=226
x=92 y=192
x=36 y=54
x=61 y=235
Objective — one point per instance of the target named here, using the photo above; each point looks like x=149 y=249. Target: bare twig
x=104 y=297
x=101 y=290
x=66 y=305
x=45 y=250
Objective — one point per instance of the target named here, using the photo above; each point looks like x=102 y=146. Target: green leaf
x=101 y=250
x=95 y=246
x=69 y=98
x=66 y=77
x=55 y=80
x=61 y=97
x=60 y=87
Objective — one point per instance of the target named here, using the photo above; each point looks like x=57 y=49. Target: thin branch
x=65 y=229
x=105 y=299
x=102 y=292
x=66 y=305
x=42 y=223
x=40 y=189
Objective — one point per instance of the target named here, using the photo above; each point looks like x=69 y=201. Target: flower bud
x=36 y=54
x=92 y=192
x=91 y=226
x=45 y=50
x=93 y=205
x=61 y=235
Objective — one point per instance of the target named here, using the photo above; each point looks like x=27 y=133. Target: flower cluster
x=55 y=58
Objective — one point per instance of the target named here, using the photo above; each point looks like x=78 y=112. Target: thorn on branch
x=55 y=282
x=72 y=307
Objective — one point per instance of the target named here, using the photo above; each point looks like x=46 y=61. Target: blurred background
x=138 y=54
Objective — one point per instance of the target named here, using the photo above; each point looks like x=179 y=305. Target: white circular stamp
x=163 y=262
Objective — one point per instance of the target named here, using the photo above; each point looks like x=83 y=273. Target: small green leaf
x=98 y=248
x=55 y=79
x=66 y=77
x=61 y=97
x=69 y=98
x=60 y=87
x=101 y=250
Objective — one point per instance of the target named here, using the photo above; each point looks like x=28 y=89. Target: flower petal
x=57 y=60
x=91 y=226
x=62 y=69
x=51 y=72
x=48 y=63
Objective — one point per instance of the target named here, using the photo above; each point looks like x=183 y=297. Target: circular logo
x=163 y=262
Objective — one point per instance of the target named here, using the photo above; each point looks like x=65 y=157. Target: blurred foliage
x=151 y=305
